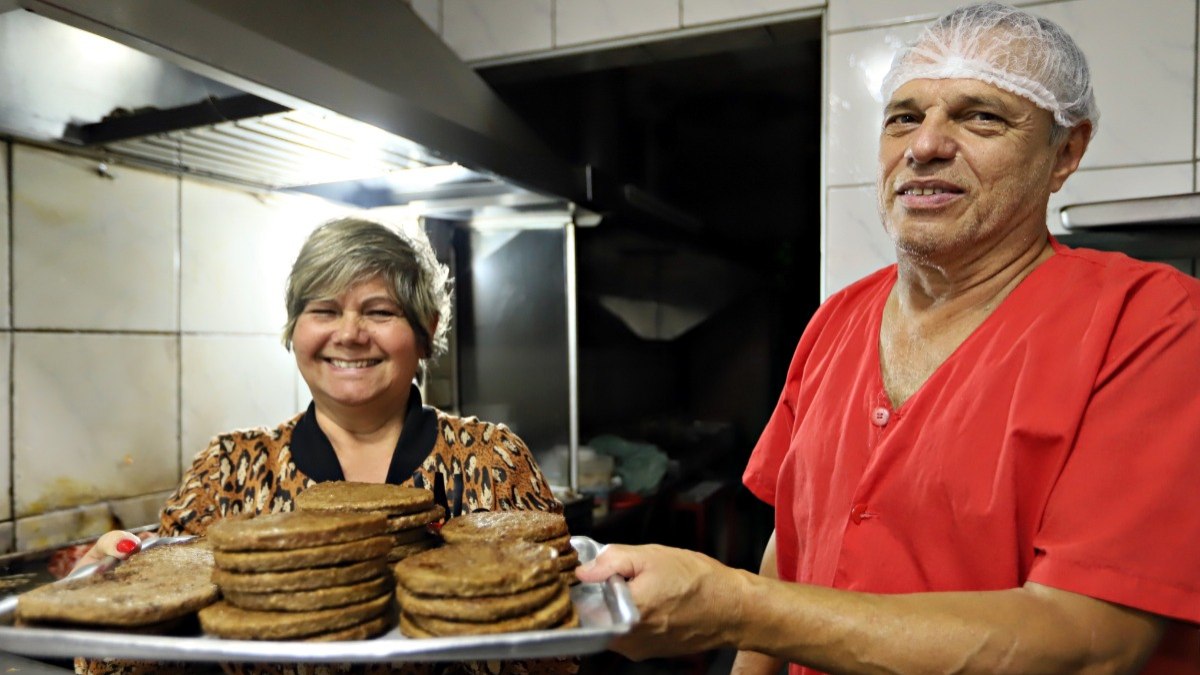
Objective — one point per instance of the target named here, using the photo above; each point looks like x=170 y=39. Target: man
x=984 y=457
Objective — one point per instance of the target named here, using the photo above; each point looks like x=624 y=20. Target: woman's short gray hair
x=348 y=251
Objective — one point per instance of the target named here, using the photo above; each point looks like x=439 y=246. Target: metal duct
x=273 y=93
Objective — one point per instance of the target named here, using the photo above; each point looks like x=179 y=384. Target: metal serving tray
x=606 y=610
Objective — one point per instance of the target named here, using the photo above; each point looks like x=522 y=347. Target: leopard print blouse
x=485 y=467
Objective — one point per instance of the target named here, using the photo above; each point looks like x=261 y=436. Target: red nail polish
x=126 y=545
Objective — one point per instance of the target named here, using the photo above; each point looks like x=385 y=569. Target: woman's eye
x=319 y=311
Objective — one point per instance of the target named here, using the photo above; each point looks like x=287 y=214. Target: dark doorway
x=688 y=315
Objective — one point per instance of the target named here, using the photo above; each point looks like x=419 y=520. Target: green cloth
x=641 y=466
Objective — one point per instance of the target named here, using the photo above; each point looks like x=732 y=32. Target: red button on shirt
x=880 y=416
x=858 y=513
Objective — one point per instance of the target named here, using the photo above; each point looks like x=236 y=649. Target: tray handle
x=616 y=591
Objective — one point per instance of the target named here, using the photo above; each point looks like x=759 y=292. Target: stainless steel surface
x=1169 y=210
x=512 y=330
x=605 y=610
x=350 y=122
x=572 y=358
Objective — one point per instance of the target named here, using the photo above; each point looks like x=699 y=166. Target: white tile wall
x=51 y=529
x=1094 y=185
x=94 y=417
x=95 y=252
x=1152 y=71
x=96 y=420
x=138 y=511
x=5 y=318
x=850 y=14
x=856 y=65
x=237 y=250
x=855 y=243
x=233 y=382
x=712 y=11
x=478 y=29
x=580 y=21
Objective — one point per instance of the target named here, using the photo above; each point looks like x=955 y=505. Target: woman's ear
x=433 y=326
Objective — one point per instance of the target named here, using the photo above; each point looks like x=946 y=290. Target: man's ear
x=1070 y=153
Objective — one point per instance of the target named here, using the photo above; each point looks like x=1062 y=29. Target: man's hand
x=686 y=599
x=690 y=603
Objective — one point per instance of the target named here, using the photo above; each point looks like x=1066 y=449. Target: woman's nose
x=931 y=142
x=350 y=328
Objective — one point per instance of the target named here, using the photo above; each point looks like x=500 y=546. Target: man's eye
x=982 y=116
x=900 y=118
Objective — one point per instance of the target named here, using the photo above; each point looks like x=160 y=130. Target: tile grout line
x=11 y=355
x=179 y=322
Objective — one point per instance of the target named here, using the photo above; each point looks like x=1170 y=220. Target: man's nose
x=930 y=142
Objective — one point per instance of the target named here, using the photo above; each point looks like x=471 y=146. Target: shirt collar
x=314 y=456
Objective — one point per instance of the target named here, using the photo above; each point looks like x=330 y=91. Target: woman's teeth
x=353 y=364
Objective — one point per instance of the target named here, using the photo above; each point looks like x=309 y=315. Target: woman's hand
x=117 y=543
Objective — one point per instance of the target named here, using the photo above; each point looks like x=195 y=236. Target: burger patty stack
x=409 y=511
x=154 y=591
x=301 y=576
x=477 y=588
x=537 y=527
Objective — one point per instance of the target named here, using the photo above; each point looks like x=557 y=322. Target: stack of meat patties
x=533 y=526
x=301 y=576
x=478 y=588
x=155 y=591
x=409 y=511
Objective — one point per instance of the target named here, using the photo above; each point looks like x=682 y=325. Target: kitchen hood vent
x=277 y=151
x=1146 y=212
x=359 y=102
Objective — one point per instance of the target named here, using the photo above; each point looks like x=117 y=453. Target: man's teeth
x=926 y=191
x=353 y=364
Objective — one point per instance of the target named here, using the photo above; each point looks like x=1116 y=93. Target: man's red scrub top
x=1059 y=444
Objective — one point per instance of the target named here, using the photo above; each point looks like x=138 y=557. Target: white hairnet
x=1029 y=56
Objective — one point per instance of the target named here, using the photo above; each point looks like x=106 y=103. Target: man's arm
x=690 y=602
x=753 y=663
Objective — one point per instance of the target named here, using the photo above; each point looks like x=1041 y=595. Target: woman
x=366 y=306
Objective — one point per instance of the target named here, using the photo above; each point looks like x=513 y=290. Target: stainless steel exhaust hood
x=1144 y=212
x=356 y=101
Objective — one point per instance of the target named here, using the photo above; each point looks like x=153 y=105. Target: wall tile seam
x=1195 y=93
x=10 y=354
x=923 y=18
x=179 y=325
x=107 y=501
x=635 y=39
